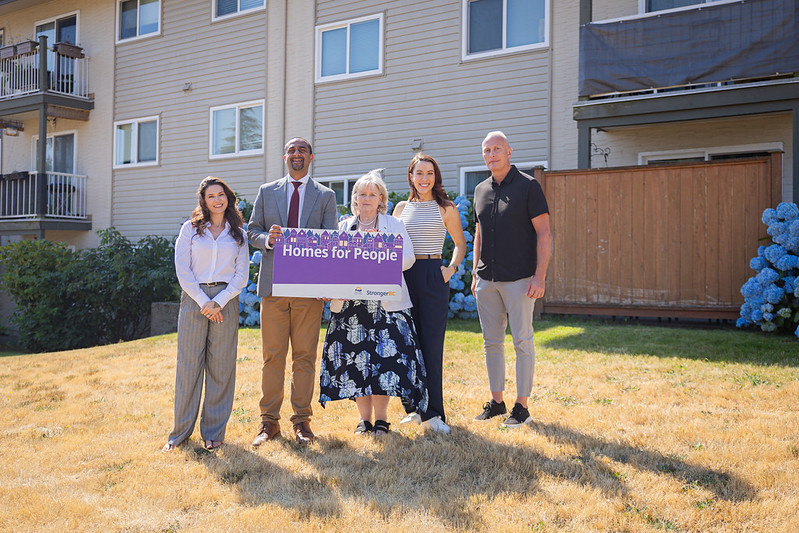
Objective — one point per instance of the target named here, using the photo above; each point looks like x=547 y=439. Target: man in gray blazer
x=295 y=200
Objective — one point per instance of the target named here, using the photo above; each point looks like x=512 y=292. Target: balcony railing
x=34 y=195
x=66 y=68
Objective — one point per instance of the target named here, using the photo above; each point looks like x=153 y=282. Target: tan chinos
x=297 y=320
x=206 y=352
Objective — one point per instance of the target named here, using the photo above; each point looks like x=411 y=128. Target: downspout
x=41 y=153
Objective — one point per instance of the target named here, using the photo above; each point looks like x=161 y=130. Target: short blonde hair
x=370 y=178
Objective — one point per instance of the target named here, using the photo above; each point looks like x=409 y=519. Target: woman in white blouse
x=212 y=264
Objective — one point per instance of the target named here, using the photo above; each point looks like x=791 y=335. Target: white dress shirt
x=203 y=259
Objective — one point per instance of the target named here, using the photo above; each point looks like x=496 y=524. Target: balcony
x=37 y=201
x=710 y=46
x=33 y=75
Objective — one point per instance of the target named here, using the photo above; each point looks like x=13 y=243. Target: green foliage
x=68 y=300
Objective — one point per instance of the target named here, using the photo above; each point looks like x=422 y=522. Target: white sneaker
x=436 y=424
x=414 y=418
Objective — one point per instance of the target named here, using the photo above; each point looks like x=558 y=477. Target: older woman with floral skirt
x=370 y=351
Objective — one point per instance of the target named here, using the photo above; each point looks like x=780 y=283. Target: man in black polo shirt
x=512 y=246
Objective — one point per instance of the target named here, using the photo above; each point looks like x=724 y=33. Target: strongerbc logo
x=358 y=290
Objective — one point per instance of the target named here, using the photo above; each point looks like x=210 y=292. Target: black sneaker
x=518 y=416
x=492 y=409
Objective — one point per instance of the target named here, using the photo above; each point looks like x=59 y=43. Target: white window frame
x=237 y=107
x=2 y=37
x=708 y=152
x=466 y=56
x=135 y=145
x=138 y=36
x=34 y=154
x=56 y=19
x=345 y=179
x=346 y=24
x=237 y=13
x=482 y=168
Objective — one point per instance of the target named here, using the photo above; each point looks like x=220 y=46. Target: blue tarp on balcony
x=747 y=39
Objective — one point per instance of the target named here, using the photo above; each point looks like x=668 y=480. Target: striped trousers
x=206 y=353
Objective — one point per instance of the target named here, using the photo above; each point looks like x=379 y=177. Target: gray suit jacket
x=271 y=207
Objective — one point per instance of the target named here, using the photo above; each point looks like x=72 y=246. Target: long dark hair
x=439 y=194
x=201 y=215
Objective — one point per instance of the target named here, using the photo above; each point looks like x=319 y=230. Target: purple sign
x=338 y=264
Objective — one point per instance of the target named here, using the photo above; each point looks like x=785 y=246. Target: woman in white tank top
x=428 y=215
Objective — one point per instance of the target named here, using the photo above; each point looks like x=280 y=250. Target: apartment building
x=141 y=99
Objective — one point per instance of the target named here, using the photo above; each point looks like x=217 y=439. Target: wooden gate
x=668 y=241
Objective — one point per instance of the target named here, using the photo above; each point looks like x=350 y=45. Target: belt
x=428 y=256
x=214 y=283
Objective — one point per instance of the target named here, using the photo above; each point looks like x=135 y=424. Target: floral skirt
x=369 y=351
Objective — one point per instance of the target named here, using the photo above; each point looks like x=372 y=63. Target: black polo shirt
x=504 y=212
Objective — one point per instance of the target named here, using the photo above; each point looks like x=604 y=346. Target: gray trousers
x=500 y=303
x=206 y=352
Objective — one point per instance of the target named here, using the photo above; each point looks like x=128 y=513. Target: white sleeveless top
x=425 y=226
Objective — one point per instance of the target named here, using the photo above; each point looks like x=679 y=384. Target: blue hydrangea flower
x=773 y=294
x=777 y=228
x=761 y=250
x=774 y=252
x=796 y=332
x=767 y=276
x=256 y=257
x=241 y=205
x=751 y=288
x=758 y=263
x=769 y=216
x=756 y=316
x=787 y=262
x=768 y=317
x=768 y=327
x=785 y=312
x=767 y=308
x=742 y=322
x=787 y=211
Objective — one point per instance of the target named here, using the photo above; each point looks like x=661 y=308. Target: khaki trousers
x=297 y=320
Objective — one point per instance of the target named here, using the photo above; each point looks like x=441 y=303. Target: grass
x=636 y=428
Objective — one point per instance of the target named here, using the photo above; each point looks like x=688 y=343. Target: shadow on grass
x=446 y=476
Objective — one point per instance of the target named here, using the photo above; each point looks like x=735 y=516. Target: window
x=60 y=153
x=237 y=129
x=225 y=8
x=349 y=49
x=60 y=30
x=661 y=5
x=342 y=186
x=2 y=37
x=471 y=176
x=497 y=26
x=138 y=18
x=136 y=142
x=709 y=154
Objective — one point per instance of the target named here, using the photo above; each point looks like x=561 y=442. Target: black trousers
x=430 y=298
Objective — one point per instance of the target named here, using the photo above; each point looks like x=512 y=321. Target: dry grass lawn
x=635 y=429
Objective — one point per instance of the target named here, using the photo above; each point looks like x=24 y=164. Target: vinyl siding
x=565 y=79
x=225 y=61
x=427 y=92
x=610 y=9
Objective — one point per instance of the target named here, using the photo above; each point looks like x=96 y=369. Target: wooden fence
x=666 y=241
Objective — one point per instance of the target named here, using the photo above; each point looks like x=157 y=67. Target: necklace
x=367 y=225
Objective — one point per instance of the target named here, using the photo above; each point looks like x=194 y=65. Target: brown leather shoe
x=302 y=430
x=269 y=431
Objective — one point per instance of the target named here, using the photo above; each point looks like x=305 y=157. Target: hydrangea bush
x=771 y=297
x=461 y=305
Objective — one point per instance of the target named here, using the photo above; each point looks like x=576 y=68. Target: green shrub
x=68 y=300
